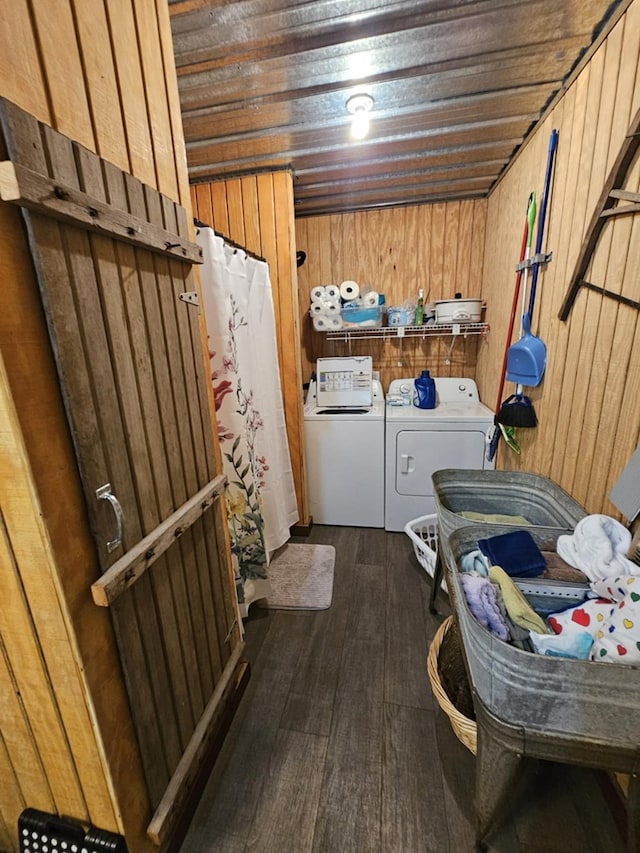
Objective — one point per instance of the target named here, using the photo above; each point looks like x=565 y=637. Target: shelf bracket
x=451 y=346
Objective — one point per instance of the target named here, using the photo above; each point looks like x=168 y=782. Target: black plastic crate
x=40 y=832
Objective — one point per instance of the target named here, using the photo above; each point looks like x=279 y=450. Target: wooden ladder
x=604 y=211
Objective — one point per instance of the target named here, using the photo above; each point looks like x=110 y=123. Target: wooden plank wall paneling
x=102 y=73
x=41 y=654
x=436 y=247
x=587 y=404
x=257 y=212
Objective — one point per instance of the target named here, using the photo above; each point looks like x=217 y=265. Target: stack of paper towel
x=325 y=307
x=328 y=300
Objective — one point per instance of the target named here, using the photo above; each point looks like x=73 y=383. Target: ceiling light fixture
x=360 y=106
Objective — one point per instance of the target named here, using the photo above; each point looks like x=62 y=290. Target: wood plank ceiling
x=457 y=85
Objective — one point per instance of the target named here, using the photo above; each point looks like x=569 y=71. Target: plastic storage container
x=357 y=316
x=398 y=316
x=41 y=831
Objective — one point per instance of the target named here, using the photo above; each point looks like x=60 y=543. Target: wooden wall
x=589 y=413
x=588 y=403
x=396 y=251
x=102 y=73
x=257 y=212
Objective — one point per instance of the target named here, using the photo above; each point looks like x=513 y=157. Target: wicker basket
x=466 y=730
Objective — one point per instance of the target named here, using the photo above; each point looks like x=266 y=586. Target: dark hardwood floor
x=339 y=745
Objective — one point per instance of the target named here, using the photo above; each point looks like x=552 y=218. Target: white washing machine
x=421 y=441
x=344 y=421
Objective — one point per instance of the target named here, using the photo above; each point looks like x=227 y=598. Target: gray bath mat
x=301 y=578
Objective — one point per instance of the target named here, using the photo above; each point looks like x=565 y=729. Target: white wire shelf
x=356 y=333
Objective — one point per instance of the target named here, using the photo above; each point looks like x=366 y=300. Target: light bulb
x=360 y=124
x=359 y=106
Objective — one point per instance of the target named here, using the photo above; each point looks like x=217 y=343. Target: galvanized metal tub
x=541 y=501
x=588 y=701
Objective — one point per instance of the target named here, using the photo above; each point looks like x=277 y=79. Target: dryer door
x=421 y=452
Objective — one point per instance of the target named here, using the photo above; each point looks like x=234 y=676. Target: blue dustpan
x=527 y=358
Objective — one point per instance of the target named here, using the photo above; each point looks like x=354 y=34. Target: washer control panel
x=345 y=382
x=449 y=389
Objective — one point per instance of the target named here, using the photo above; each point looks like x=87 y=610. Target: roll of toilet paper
x=333 y=292
x=370 y=299
x=318 y=293
x=325 y=307
x=334 y=321
x=321 y=322
x=349 y=290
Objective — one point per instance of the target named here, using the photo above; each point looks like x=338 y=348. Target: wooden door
x=131 y=368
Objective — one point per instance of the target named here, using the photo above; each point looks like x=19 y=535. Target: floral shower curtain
x=260 y=496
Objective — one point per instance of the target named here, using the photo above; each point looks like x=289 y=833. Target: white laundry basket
x=423 y=532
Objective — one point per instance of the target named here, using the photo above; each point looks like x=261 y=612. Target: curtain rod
x=199 y=224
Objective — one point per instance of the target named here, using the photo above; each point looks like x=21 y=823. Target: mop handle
x=553 y=142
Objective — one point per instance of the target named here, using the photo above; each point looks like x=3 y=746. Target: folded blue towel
x=515 y=552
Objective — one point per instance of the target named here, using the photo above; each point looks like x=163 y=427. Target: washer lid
x=327 y=414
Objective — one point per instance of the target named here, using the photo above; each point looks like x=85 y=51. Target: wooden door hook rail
x=129 y=568
x=46 y=195
x=604 y=211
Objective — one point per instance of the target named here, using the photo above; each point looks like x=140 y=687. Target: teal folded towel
x=475 y=561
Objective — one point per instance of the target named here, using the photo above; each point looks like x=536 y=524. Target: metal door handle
x=104 y=493
x=407 y=465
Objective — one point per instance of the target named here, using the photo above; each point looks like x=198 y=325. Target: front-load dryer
x=421 y=441
x=344 y=419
